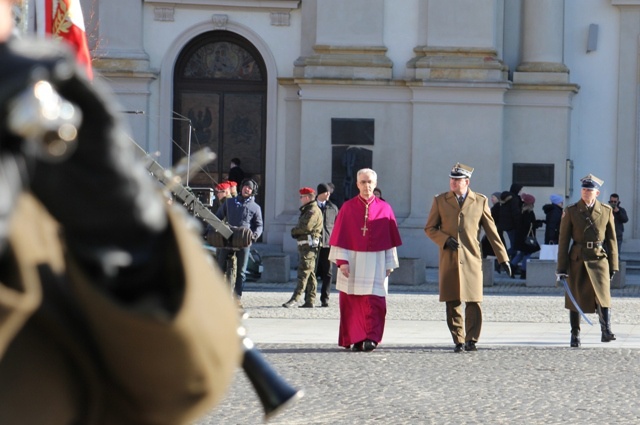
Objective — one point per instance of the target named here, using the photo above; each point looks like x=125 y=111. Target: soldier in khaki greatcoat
x=454 y=224
x=307 y=233
x=591 y=260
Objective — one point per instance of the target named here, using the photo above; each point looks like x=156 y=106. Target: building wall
x=423 y=125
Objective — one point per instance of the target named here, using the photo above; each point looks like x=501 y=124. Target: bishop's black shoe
x=369 y=345
x=358 y=346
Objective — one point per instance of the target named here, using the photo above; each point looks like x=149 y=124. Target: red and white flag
x=64 y=21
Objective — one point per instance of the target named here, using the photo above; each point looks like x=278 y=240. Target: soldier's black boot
x=605 y=324
x=574 y=319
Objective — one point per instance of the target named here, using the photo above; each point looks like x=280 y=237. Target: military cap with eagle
x=591 y=182
x=461 y=171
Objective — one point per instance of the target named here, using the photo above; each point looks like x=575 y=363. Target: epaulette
x=606 y=205
x=440 y=194
x=572 y=205
x=481 y=195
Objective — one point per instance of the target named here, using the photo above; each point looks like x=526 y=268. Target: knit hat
x=322 y=188
x=556 y=199
x=528 y=199
x=251 y=183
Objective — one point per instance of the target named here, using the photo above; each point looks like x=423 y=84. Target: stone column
x=348 y=41
x=542 y=41
x=461 y=40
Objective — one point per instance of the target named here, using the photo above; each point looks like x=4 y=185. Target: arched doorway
x=220 y=87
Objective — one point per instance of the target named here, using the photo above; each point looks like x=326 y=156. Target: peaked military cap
x=461 y=171
x=591 y=182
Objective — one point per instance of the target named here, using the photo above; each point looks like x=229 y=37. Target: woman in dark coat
x=510 y=215
x=527 y=222
x=553 y=213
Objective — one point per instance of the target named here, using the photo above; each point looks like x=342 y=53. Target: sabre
x=573 y=300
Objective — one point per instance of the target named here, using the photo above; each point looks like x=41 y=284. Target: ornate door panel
x=220 y=91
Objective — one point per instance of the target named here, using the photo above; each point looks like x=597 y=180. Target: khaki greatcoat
x=460 y=273
x=72 y=354
x=588 y=268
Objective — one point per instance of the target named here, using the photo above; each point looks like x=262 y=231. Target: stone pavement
x=523 y=372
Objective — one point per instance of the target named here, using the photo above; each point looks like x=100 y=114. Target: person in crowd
x=233 y=188
x=241 y=211
x=378 y=193
x=586 y=228
x=334 y=198
x=495 y=200
x=363 y=246
x=510 y=215
x=553 y=214
x=324 y=265
x=104 y=287
x=454 y=224
x=619 y=217
x=528 y=225
x=236 y=174
x=222 y=192
x=307 y=233
x=487 y=251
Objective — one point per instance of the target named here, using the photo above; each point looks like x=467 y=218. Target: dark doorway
x=220 y=87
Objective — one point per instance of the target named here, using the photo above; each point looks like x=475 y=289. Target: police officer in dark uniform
x=307 y=232
x=588 y=257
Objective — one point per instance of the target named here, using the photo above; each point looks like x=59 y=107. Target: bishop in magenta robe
x=364 y=239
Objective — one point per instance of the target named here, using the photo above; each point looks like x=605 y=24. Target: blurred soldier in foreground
x=108 y=314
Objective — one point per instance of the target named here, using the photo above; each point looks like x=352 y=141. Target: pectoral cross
x=366 y=216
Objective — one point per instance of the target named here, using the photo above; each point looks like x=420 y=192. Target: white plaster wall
x=451 y=125
x=594 y=118
x=536 y=132
x=463 y=23
x=353 y=22
x=388 y=106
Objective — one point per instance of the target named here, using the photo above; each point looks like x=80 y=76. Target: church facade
x=537 y=92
